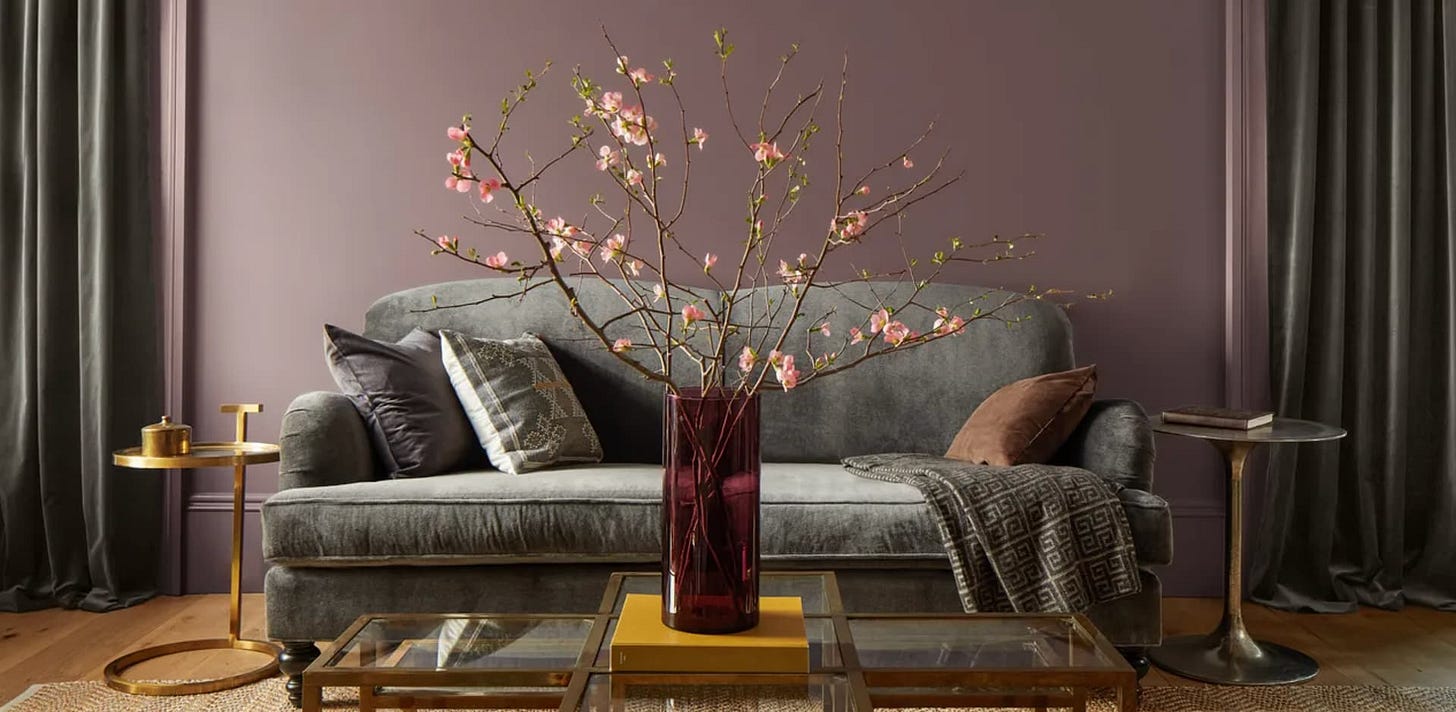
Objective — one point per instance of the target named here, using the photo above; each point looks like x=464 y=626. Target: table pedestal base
x=1217 y=658
x=116 y=667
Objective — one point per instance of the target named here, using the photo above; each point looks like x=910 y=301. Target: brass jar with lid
x=166 y=439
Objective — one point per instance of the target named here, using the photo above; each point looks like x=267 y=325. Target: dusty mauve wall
x=317 y=133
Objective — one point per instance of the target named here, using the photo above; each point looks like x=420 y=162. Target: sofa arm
x=324 y=442
x=1115 y=440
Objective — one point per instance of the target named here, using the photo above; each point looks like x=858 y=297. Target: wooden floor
x=1414 y=647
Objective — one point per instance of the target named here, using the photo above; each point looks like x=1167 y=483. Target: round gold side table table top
x=237 y=455
x=202 y=455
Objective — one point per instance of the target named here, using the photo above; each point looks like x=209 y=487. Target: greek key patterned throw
x=1031 y=539
x=519 y=403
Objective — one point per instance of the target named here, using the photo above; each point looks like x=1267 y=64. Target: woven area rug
x=269 y=696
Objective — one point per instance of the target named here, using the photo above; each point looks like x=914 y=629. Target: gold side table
x=1229 y=655
x=238 y=454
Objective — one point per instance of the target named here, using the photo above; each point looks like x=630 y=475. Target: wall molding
x=1246 y=311
x=223 y=502
x=172 y=78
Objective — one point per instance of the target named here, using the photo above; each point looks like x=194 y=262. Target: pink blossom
x=690 y=314
x=462 y=185
x=497 y=260
x=633 y=127
x=446 y=242
x=951 y=326
x=786 y=373
x=656 y=159
x=640 y=76
x=863 y=190
x=905 y=161
x=855 y=336
x=453 y=183
x=658 y=293
x=878 y=320
x=558 y=245
x=487 y=187
x=621 y=345
x=709 y=260
x=622 y=64
x=747 y=359
x=612 y=247
x=824 y=328
x=557 y=226
x=767 y=152
x=457 y=158
x=611 y=101
x=457 y=133
x=607 y=158
x=700 y=137
x=635 y=266
x=852 y=225
x=634 y=177
x=896 y=333
x=582 y=248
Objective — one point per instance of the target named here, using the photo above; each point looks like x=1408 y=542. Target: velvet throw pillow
x=522 y=408
x=1026 y=421
x=415 y=421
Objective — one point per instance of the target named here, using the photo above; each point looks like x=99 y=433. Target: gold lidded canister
x=166 y=439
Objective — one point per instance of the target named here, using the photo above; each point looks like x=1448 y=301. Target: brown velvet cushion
x=1026 y=421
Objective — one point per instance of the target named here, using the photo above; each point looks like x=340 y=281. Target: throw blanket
x=1036 y=539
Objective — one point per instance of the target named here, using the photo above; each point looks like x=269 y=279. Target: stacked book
x=1219 y=417
x=778 y=644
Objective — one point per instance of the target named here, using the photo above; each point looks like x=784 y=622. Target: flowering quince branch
x=735 y=334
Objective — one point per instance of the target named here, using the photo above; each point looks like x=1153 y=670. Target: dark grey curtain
x=78 y=312
x=1362 y=270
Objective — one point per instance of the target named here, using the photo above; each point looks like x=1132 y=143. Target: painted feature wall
x=317 y=135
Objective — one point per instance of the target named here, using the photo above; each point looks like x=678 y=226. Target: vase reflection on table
x=710 y=511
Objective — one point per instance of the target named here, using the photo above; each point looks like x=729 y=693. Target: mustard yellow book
x=643 y=644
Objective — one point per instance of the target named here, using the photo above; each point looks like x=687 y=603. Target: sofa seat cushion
x=592 y=513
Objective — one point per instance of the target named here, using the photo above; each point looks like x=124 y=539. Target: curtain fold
x=79 y=315
x=1362 y=268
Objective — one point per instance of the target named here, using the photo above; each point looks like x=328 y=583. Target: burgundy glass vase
x=710 y=511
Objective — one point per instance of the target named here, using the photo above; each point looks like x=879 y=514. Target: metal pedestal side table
x=238 y=455
x=1229 y=655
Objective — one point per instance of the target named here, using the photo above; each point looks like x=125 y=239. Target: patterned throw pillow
x=519 y=403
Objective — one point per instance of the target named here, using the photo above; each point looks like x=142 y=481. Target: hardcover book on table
x=1219 y=417
x=643 y=644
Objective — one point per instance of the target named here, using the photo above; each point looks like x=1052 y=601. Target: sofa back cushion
x=909 y=402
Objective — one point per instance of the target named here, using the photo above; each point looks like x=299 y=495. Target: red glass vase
x=710 y=511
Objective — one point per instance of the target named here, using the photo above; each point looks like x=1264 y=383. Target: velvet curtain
x=78 y=308
x=1362 y=283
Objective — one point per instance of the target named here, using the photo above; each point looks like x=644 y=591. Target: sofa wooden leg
x=295 y=658
x=1138 y=659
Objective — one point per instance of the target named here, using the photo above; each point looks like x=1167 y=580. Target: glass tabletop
x=465 y=642
x=811 y=588
x=980 y=643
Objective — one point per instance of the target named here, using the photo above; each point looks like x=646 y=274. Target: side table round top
x=1282 y=430
x=203 y=455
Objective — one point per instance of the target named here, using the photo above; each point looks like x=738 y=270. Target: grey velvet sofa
x=342 y=540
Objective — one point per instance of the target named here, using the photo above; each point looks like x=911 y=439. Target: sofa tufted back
x=905 y=402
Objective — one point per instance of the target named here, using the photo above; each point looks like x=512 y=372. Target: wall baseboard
x=223 y=502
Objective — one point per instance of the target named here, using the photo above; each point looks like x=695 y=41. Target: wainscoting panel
x=208 y=540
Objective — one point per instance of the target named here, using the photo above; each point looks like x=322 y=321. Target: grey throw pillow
x=415 y=421
x=521 y=406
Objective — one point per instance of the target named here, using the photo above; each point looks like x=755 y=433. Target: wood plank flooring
x=1416 y=646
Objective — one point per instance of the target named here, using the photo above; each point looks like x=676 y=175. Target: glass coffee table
x=856 y=661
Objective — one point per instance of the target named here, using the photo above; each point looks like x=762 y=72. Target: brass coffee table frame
x=238 y=455
x=565 y=688
x=1229 y=655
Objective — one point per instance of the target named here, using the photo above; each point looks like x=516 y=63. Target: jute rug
x=269 y=696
